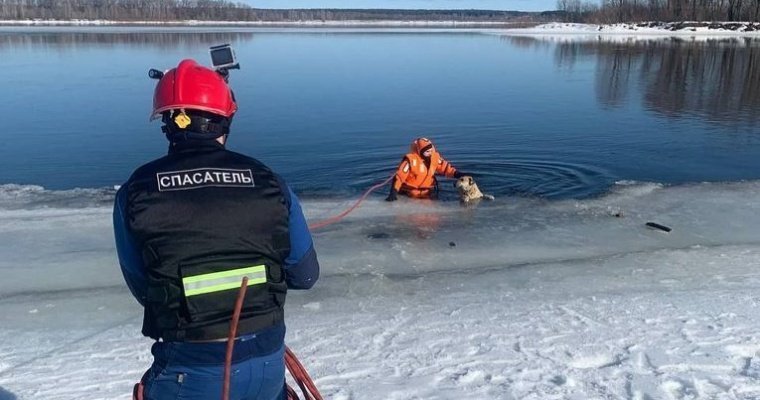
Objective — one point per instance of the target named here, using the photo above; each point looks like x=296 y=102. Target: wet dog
x=469 y=191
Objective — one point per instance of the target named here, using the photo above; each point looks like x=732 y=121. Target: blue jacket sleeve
x=129 y=254
x=301 y=265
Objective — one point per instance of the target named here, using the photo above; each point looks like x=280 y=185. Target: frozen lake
x=556 y=290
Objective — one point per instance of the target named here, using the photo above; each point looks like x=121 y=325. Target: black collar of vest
x=190 y=145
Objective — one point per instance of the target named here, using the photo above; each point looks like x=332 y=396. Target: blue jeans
x=191 y=371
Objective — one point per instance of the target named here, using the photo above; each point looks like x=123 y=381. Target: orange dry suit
x=415 y=176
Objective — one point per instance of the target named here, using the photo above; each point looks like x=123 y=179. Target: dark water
x=334 y=111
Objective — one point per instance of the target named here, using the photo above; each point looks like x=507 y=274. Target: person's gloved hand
x=392 y=196
x=459 y=174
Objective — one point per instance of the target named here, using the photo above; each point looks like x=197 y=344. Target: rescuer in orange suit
x=415 y=176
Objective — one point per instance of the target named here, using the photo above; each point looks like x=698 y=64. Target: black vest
x=202 y=216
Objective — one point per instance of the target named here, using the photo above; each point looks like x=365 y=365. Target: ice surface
x=513 y=299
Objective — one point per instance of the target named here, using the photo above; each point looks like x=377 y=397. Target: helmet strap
x=199 y=127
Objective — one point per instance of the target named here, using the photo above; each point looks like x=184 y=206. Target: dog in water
x=468 y=190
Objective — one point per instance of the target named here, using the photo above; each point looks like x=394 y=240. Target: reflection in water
x=84 y=40
x=718 y=80
x=422 y=225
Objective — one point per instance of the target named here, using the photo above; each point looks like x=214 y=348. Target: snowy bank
x=514 y=299
x=646 y=28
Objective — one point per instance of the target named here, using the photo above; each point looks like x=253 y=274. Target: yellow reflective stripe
x=222 y=287
x=224 y=280
x=224 y=274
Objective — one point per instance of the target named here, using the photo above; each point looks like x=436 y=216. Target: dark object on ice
x=452 y=244
x=655 y=225
x=379 y=235
x=618 y=214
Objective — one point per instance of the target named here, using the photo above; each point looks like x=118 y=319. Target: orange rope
x=295 y=367
x=302 y=378
x=297 y=370
x=231 y=338
x=332 y=220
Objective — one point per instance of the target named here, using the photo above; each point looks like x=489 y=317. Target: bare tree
x=662 y=10
x=167 y=10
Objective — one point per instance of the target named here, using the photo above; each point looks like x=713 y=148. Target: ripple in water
x=509 y=177
x=540 y=178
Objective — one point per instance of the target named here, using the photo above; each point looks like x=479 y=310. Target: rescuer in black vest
x=189 y=226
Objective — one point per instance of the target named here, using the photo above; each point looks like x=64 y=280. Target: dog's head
x=465 y=183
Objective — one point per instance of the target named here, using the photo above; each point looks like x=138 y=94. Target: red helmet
x=419 y=145
x=194 y=87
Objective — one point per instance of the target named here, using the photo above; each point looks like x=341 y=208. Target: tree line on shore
x=611 y=11
x=222 y=10
x=594 y=11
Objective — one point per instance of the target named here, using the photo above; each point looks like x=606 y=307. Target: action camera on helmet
x=223 y=57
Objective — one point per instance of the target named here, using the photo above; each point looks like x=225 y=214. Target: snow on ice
x=572 y=299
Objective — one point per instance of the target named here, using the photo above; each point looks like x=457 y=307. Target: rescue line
x=332 y=220
x=296 y=369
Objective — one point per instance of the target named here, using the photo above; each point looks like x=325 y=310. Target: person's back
x=189 y=226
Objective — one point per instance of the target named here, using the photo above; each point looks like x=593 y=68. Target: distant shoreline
x=672 y=29
x=277 y=24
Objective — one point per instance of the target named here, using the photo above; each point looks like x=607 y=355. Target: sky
x=520 y=5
